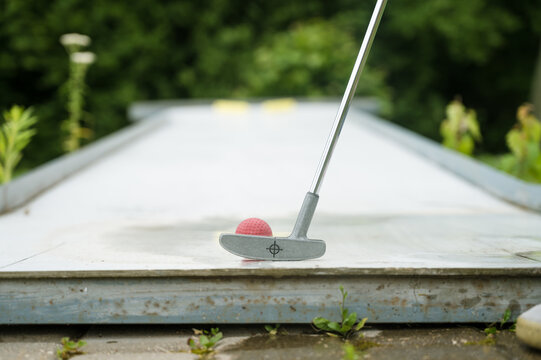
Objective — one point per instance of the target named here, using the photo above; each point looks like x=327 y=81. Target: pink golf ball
x=254 y=226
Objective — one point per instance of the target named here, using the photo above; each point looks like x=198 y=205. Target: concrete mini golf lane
x=133 y=237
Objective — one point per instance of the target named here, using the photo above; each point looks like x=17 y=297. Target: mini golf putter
x=298 y=246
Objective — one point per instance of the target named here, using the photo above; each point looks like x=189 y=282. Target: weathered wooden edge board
x=534 y=271
x=486 y=177
x=218 y=300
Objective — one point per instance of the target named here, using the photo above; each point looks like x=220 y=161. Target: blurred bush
x=524 y=141
x=460 y=129
x=483 y=50
x=425 y=52
x=314 y=58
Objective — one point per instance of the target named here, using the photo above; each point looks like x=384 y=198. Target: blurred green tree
x=307 y=60
x=483 y=50
x=426 y=51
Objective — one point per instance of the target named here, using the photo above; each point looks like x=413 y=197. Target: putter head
x=272 y=248
x=296 y=246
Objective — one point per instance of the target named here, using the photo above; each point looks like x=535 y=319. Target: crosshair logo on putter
x=274 y=249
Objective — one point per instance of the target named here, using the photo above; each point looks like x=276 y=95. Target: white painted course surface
x=161 y=202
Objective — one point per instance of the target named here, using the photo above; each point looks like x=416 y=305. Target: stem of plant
x=75 y=105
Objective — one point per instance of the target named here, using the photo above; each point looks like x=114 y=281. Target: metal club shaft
x=348 y=95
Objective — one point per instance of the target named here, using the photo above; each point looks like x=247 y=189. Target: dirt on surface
x=390 y=342
x=242 y=342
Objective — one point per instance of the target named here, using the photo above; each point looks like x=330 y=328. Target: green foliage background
x=425 y=53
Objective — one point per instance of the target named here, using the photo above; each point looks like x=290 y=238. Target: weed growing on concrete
x=272 y=330
x=492 y=329
x=206 y=341
x=69 y=348
x=347 y=326
x=505 y=319
x=495 y=328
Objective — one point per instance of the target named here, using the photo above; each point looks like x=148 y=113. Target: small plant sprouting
x=524 y=141
x=505 y=318
x=15 y=134
x=492 y=329
x=460 y=130
x=69 y=348
x=347 y=326
x=76 y=87
x=205 y=342
x=272 y=330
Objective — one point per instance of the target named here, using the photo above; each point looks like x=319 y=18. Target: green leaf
x=199 y=351
x=216 y=338
x=505 y=318
x=445 y=129
x=2 y=143
x=361 y=323
x=455 y=111
x=532 y=153
x=465 y=145
x=334 y=326
x=349 y=322
x=535 y=131
x=272 y=330
x=204 y=340
x=515 y=142
x=15 y=135
x=321 y=323
x=508 y=163
x=473 y=125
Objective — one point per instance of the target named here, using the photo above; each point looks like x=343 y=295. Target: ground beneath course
x=253 y=342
